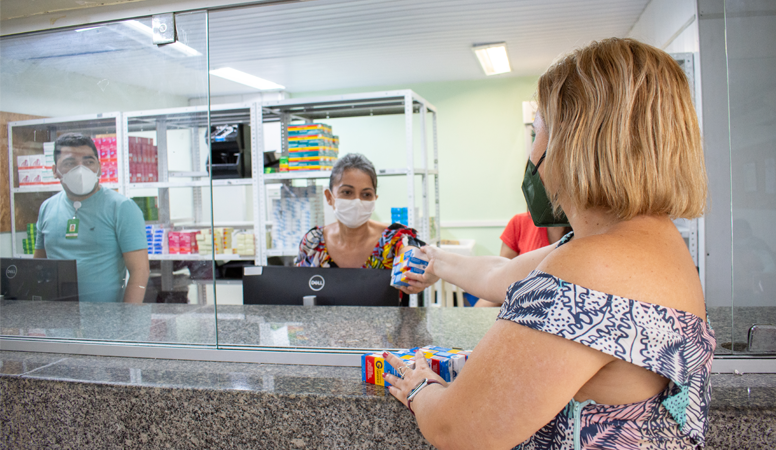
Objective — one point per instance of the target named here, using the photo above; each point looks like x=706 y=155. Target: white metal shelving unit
x=104 y=123
x=404 y=102
x=197 y=119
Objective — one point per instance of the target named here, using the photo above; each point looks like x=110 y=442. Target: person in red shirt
x=522 y=236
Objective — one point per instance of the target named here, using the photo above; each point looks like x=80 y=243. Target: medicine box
x=409 y=261
x=373 y=365
x=309 y=141
x=309 y=129
x=446 y=362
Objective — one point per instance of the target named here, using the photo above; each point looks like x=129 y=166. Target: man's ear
x=54 y=170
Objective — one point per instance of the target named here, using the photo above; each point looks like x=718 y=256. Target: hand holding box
x=413 y=260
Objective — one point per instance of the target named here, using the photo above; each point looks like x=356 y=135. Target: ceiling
x=330 y=44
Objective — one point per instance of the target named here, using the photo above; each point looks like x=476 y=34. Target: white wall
x=482 y=153
x=670 y=25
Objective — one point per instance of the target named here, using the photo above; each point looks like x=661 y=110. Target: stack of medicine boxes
x=156 y=239
x=311 y=146
x=29 y=244
x=445 y=362
x=295 y=213
x=244 y=244
x=143 y=160
x=107 y=152
x=400 y=215
x=36 y=170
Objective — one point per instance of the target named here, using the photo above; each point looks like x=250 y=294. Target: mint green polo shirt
x=110 y=225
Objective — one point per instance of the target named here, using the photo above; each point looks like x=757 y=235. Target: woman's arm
x=486 y=277
x=516 y=380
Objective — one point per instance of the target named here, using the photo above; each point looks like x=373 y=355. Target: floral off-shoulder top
x=313 y=252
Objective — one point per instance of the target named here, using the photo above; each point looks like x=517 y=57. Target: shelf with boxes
x=175 y=143
x=159 y=153
x=199 y=244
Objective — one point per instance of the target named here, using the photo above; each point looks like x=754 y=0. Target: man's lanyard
x=72 y=224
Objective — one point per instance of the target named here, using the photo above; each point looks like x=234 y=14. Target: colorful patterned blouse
x=673 y=343
x=313 y=252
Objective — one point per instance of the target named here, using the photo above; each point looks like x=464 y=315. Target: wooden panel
x=5 y=183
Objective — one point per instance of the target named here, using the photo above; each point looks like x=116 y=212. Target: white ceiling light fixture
x=493 y=58
x=147 y=31
x=246 y=79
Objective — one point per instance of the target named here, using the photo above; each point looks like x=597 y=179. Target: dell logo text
x=317 y=282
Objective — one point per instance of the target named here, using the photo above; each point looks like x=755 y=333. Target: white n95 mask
x=353 y=213
x=80 y=180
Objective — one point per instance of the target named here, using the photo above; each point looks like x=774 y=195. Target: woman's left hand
x=401 y=387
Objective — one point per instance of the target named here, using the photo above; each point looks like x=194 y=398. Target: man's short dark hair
x=73 y=140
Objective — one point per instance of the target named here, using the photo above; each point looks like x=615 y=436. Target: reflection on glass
x=751 y=27
x=88 y=184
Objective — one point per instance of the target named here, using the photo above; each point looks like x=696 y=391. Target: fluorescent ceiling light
x=147 y=31
x=87 y=29
x=246 y=79
x=493 y=58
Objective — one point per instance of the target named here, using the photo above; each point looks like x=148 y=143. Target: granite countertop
x=752 y=391
x=349 y=327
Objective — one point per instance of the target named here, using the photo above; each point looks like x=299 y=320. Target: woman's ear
x=329 y=197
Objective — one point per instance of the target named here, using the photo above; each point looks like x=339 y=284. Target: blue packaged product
x=407 y=262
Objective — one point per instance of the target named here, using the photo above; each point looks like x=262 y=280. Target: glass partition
x=206 y=178
x=99 y=249
x=751 y=62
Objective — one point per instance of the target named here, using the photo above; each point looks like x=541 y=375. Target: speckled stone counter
x=247 y=325
x=69 y=401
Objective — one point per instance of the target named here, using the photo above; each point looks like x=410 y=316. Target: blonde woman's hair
x=623 y=133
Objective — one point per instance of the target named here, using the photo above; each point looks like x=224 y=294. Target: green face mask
x=537 y=200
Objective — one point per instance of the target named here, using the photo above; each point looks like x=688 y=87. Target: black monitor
x=275 y=285
x=38 y=279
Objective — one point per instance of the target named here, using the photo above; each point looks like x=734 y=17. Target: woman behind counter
x=354 y=240
x=602 y=340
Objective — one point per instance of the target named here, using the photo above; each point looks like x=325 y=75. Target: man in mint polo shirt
x=103 y=231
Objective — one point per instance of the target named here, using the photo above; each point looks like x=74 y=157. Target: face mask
x=353 y=213
x=537 y=200
x=80 y=180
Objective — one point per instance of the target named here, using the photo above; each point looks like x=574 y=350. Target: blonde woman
x=602 y=340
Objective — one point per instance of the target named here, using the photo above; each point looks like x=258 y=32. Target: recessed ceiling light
x=246 y=79
x=147 y=31
x=493 y=58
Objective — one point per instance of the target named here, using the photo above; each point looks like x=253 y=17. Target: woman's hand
x=423 y=280
x=401 y=387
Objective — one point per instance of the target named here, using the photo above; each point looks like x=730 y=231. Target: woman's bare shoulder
x=651 y=267
x=378 y=225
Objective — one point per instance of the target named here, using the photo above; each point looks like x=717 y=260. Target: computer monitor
x=38 y=279
x=276 y=285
